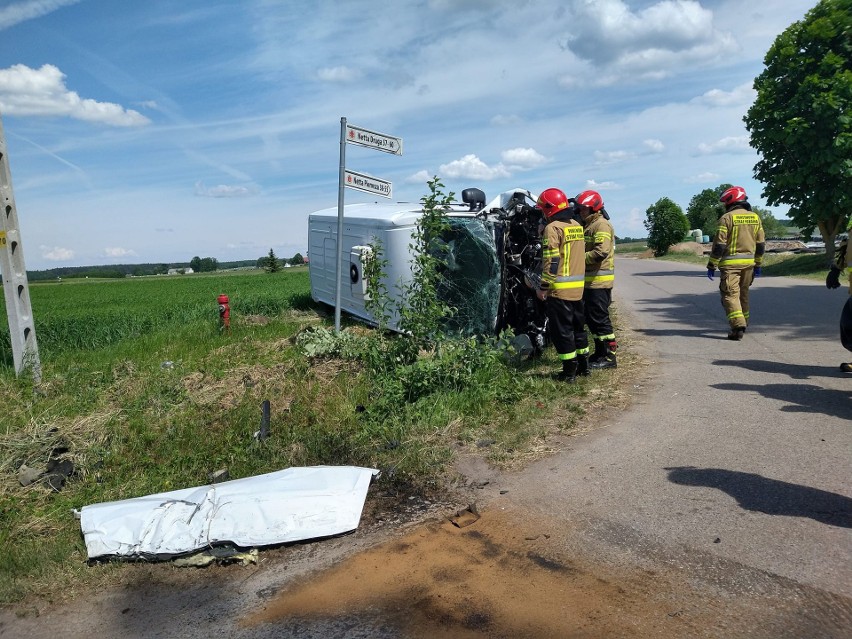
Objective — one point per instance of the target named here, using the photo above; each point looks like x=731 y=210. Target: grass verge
x=164 y=409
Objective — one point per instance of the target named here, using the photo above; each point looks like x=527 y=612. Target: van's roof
x=397 y=214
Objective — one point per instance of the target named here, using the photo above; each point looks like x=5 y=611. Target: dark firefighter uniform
x=842 y=267
x=599 y=280
x=737 y=248
x=563 y=274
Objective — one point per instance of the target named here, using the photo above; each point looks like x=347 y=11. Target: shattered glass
x=493 y=263
x=471 y=277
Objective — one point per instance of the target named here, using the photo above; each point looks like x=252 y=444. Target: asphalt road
x=734 y=464
x=759 y=432
x=722 y=493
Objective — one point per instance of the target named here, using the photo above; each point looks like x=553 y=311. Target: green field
x=89 y=314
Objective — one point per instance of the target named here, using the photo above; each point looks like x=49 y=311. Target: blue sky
x=157 y=131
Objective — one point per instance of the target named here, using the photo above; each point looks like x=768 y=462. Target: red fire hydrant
x=224 y=313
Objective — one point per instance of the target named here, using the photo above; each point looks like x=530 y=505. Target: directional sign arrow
x=367 y=183
x=373 y=139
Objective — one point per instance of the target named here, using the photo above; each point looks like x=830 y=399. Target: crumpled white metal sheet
x=283 y=506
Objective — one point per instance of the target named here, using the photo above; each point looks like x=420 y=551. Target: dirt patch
x=695 y=248
x=503 y=575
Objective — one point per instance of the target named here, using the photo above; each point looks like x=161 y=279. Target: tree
x=800 y=122
x=195 y=264
x=271 y=265
x=423 y=310
x=666 y=225
x=771 y=226
x=705 y=209
x=208 y=265
x=297 y=259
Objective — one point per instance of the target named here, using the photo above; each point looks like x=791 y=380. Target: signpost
x=15 y=285
x=350 y=134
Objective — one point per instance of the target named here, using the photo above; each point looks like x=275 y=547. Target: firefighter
x=600 y=276
x=843 y=265
x=563 y=273
x=738 y=254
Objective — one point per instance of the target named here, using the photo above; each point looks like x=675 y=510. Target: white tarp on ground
x=287 y=505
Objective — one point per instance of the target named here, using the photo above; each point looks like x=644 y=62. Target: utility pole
x=15 y=286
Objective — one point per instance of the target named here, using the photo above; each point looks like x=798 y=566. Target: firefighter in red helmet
x=562 y=277
x=600 y=276
x=737 y=252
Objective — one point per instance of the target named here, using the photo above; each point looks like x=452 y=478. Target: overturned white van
x=489 y=253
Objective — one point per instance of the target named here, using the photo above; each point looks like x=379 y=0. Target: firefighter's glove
x=758 y=271
x=710 y=272
x=832 y=280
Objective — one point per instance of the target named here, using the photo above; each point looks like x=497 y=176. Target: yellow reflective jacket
x=563 y=260
x=600 y=252
x=739 y=241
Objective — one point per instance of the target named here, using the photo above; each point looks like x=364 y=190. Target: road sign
x=374 y=140
x=367 y=183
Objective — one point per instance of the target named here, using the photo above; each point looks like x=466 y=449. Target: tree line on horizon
x=119 y=271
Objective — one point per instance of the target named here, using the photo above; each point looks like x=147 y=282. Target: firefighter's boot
x=569 y=370
x=608 y=360
x=600 y=351
x=583 y=365
x=736 y=333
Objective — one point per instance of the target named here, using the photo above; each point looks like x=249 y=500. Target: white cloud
x=338 y=74
x=655 y=145
x=603 y=186
x=731 y=144
x=421 y=177
x=612 y=157
x=42 y=92
x=119 y=252
x=21 y=11
x=56 y=253
x=742 y=95
x=651 y=43
x=521 y=158
x=704 y=178
x=224 y=190
x=472 y=168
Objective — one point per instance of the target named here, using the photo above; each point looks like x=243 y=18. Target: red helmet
x=551 y=201
x=733 y=195
x=592 y=199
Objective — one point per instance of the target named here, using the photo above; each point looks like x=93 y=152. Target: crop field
x=83 y=314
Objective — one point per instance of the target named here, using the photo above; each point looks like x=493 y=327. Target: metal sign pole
x=340 y=224
x=15 y=285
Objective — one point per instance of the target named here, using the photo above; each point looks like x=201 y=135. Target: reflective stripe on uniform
x=739 y=259
x=601 y=276
x=567 y=281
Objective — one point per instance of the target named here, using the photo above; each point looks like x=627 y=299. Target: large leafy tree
x=666 y=225
x=705 y=209
x=801 y=121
